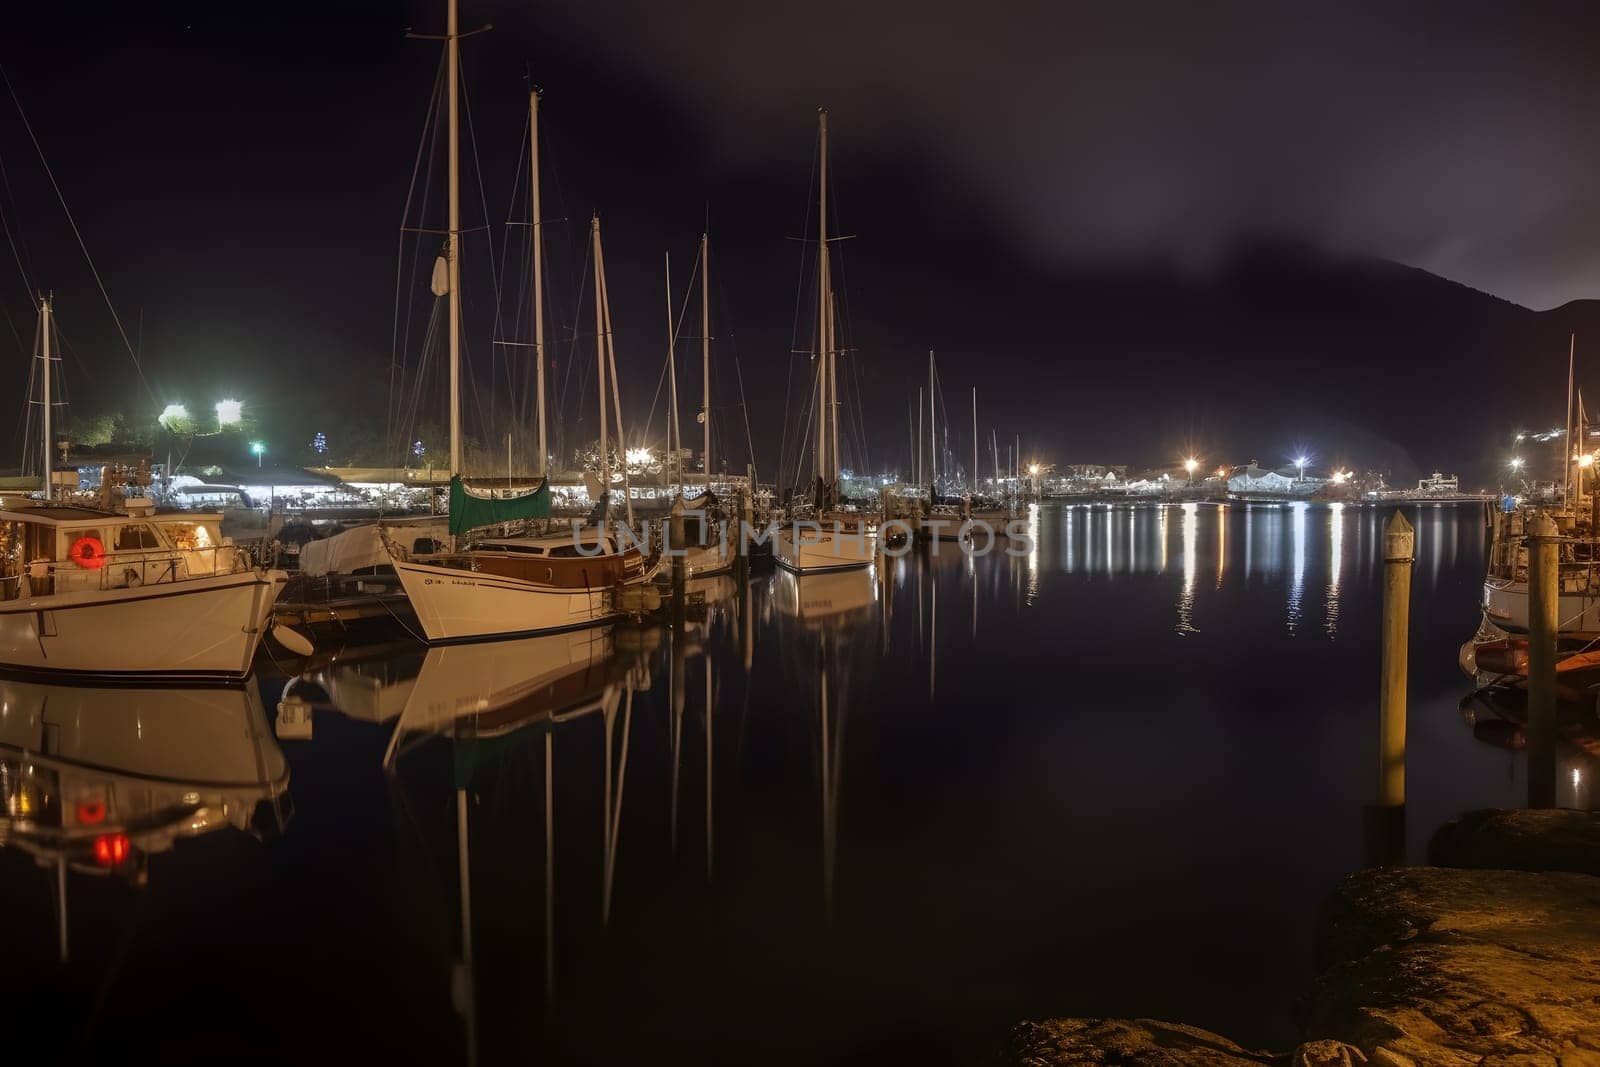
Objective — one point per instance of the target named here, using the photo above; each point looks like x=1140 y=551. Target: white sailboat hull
x=198 y=628
x=1505 y=604
x=826 y=551
x=453 y=604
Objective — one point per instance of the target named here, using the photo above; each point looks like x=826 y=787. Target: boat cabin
x=52 y=549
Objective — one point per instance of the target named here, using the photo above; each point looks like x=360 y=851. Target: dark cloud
x=1453 y=137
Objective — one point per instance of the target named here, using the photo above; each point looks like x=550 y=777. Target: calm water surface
x=845 y=818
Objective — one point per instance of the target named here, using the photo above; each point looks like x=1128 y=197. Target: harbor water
x=866 y=817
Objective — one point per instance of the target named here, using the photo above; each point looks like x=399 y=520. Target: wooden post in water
x=1544 y=554
x=1384 y=820
x=1399 y=542
x=676 y=540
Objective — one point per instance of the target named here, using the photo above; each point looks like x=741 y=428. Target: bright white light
x=1516 y=463
x=229 y=412
x=257 y=448
x=1301 y=461
x=1340 y=477
x=1033 y=469
x=1191 y=465
x=638 y=456
x=173 y=413
x=1586 y=460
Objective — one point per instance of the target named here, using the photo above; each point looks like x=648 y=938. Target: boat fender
x=88 y=552
x=293 y=640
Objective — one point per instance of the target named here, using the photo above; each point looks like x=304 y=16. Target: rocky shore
x=1492 y=955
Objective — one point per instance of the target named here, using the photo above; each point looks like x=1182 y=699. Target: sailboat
x=714 y=548
x=116 y=591
x=944 y=518
x=843 y=539
x=512 y=586
x=1505 y=587
x=990 y=512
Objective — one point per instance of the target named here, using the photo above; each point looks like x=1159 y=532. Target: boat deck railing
x=122 y=570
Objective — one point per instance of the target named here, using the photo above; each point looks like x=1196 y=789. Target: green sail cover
x=469 y=511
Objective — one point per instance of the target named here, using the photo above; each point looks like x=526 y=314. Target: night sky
x=1138 y=231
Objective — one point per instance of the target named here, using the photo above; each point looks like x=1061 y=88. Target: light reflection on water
x=819 y=804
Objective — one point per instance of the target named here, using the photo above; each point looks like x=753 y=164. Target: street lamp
x=1300 y=463
x=259 y=449
x=1191 y=465
x=172 y=416
x=229 y=413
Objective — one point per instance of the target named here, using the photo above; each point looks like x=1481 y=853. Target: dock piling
x=1384 y=820
x=1399 y=542
x=1544 y=555
x=676 y=543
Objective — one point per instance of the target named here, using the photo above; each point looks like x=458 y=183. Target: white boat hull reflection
x=171 y=762
x=502 y=685
x=825 y=596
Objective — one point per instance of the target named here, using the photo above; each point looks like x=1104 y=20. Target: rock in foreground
x=1134 y=1042
x=1555 y=839
x=1433 y=966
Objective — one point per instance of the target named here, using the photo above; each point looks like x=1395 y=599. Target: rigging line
x=16 y=254
x=516 y=183
x=84 y=248
x=12 y=326
x=677 y=335
x=788 y=396
x=516 y=404
x=436 y=131
x=725 y=315
x=858 y=412
x=397 y=342
x=572 y=349
x=800 y=456
x=799 y=297
x=749 y=442
x=650 y=419
x=483 y=201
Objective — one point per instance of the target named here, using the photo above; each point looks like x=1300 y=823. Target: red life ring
x=88 y=552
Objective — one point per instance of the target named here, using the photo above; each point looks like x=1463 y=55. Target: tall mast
x=933 y=435
x=1566 y=468
x=822 y=294
x=453 y=243
x=611 y=368
x=833 y=388
x=537 y=222
x=47 y=454
x=600 y=358
x=920 y=410
x=705 y=351
x=674 y=470
x=973 y=486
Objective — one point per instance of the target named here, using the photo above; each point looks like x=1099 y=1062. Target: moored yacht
x=500 y=587
x=124 y=594
x=825 y=536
